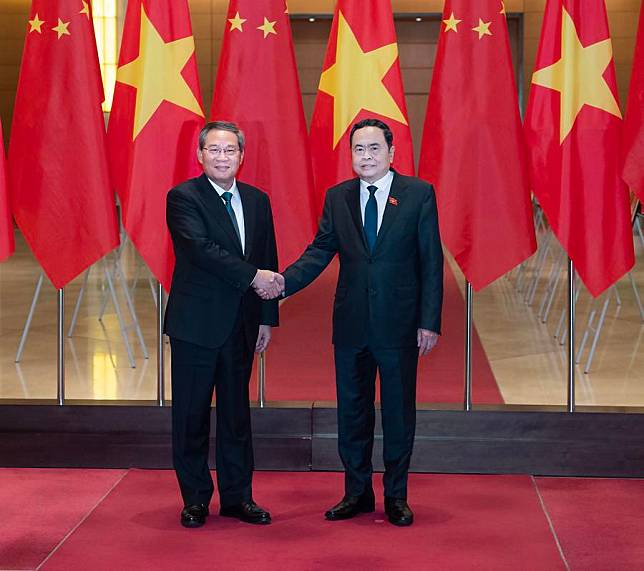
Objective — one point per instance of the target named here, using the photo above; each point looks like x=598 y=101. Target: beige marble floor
x=527 y=360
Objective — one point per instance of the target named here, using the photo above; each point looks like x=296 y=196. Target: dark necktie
x=228 y=196
x=371 y=218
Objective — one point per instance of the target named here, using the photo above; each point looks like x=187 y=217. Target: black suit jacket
x=212 y=277
x=382 y=298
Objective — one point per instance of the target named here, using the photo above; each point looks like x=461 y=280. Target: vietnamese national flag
x=6 y=225
x=360 y=79
x=634 y=121
x=154 y=124
x=59 y=183
x=257 y=88
x=573 y=127
x=473 y=149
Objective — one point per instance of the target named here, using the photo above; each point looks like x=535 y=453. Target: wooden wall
x=209 y=16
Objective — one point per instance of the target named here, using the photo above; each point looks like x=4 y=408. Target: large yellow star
x=61 y=28
x=35 y=24
x=85 y=9
x=451 y=23
x=483 y=28
x=355 y=81
x=236 y=23
x=267 y=27
x=578 y=77
x=156 y=74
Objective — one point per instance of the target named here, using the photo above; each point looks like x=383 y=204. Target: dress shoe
x=248 y=512
x=351 y=506
x=194 y=515
x=398 y=511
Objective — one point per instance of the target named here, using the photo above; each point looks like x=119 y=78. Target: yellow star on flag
x=85 y=9
x=267 y=27
x=451 y=23
x=236 y=23
x=156 y=74
x=502 y=8
x=61 y=29
x=355 y=81
x=35 y=24
x=483 y=28
x=578 y=76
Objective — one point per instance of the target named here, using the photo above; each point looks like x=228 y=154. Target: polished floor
x=522 y=343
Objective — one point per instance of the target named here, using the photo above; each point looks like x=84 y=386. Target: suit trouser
x=355 y=382
x=195 y=371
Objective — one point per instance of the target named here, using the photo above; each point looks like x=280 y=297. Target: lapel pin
x=391 y=200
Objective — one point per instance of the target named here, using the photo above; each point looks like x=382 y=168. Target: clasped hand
x=268 y=284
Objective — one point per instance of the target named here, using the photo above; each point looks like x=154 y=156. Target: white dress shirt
x=236 y=203
x=382 y=194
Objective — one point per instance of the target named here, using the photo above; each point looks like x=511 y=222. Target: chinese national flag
x=154 y=125
x=634 y=122
x=6 y=225
x=473 y=149
x=360 y=79
x=257 y=88
x=573 y=128
x=58 y=175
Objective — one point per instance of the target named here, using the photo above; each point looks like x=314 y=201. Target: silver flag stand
x=468 y=348
x=60 y=339
x=160 y=349
x=261 y=380
x=571 y=336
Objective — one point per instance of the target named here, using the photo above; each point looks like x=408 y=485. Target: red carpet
x=599 y=523
x=462 y=522
x=39 y=507
x=299 y=363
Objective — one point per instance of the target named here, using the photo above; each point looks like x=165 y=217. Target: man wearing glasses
x=224 y=243
x=387 y=311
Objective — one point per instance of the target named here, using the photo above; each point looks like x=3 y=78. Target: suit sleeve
x=317 y=255
x=189 y=234
x=270 y=308
x=431 y=265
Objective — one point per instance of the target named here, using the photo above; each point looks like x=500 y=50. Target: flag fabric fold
x=154 y=124
x=634 y=120
x=574 y=128
x=6 y=225
x=473 y=149
x=257 y=87
x=59 y=183
x=360 y=78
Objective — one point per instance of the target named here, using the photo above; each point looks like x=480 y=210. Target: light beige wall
x=208 y=17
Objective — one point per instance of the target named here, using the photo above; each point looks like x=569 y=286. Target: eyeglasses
x=361 y=150
x=216 y=151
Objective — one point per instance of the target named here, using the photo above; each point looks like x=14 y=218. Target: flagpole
x=160 y=351
x=571 y=336
x=468 y=348
x=60 y=397
x=261 y=380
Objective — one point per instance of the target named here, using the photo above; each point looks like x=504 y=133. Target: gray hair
x=221 y=126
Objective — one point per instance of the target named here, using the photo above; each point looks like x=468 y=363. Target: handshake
x=268 y=284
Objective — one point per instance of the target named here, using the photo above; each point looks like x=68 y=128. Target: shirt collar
x=381 y=183
x=220 y=191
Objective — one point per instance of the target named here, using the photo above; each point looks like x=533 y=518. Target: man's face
x=220 y=157
x=370 y=155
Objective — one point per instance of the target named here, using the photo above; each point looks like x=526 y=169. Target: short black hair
x=222 y=126
x=386 y=131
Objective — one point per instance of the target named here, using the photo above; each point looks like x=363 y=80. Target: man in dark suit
x=387 y=310
x=222 y=232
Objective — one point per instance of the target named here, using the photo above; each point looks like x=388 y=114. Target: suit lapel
x=216 y=206
x=353 y=203
x=250 y=209
x=396 y=196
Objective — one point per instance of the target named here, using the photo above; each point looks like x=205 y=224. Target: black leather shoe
x=398 y=511
x=351 y=506
x=248 y=512
x=194 y=515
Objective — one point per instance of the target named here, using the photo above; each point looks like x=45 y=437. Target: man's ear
x=392 y=150
x=200 y=155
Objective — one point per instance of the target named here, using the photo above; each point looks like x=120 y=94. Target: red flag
x=257 y=88
x=155 y=121
x=634 y=122
x=6 y=225
x=58 y=174
x=473 y=150
x=574 y=130
x=360 y=78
